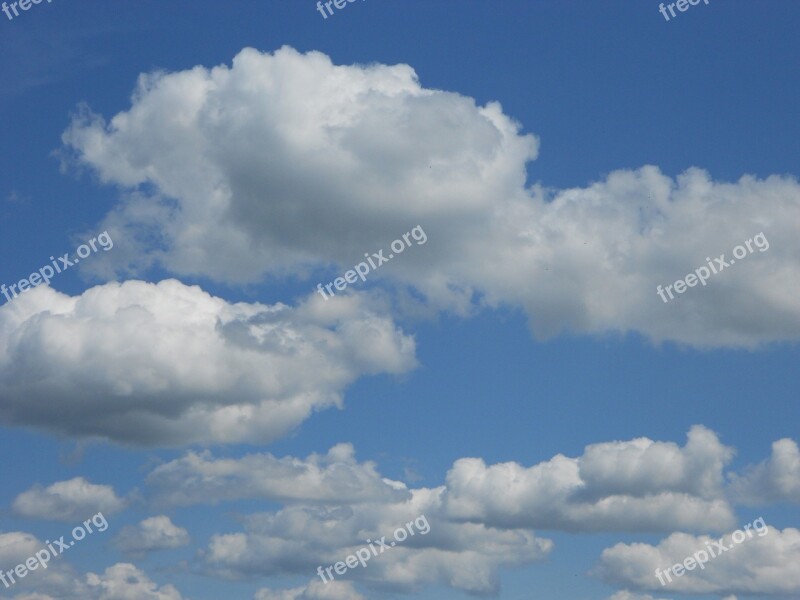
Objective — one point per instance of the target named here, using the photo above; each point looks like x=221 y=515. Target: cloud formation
x=626 y=595
x=298 y=539
x=316 y=590
x=124 y=581
x=639 y=485
x=15 y=548
x=154 y=533
x=761 y=565
x=777 y=479
x=67 y=501
x=284 y=163
x=198 y=478
x=121 y=581
x=481 y=520
x=168 y=364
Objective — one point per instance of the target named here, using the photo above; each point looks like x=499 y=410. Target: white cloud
x=777 y=479
x=168 y=364
x=72 y=500
x=285 y=162
x=299 y=539
x=316 y=590
x=480 y=520
x=154 y=533
x=124 y=581
x=639 y=485
x=762 y=564
x=333 y=477
x=626 y=595
x=642 y=466
x=59 y=581
x=16 y=547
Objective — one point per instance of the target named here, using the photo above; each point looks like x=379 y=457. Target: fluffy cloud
x=352 y=504
x=72 y=500
x=640 y=485
x=168 y=364
x=763 y=564
x=59 y=581
x=299 y=539
x=316 y=590
x=333 y=477
x=777 y=479
x=480 y=520
x=15 y=548
x=124 y=581
x=264 y=168
x=155 y=533
x=34 y=596
x=626 y=595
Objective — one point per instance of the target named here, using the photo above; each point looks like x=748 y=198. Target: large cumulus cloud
x=284 y=162
x=168 y=364
x=637 y=485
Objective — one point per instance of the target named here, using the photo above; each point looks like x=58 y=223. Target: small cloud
x=411 y=475
x=626 y=595
x=66 y=501
x=15 y=197
x=155 y=533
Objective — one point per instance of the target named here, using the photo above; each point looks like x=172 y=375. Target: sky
x=512 y=286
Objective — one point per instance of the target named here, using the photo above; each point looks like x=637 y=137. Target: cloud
x=67 y=501
x=124 y=581
x=154 y=533
x=777 y=479
x=59 y=581
x=481 y=520
x=334 y=477
x=626 y=595
x=640 y=485
x=34 y=596
x=167 y=364
x=299 y=539
x=15 y=548
x=264 y=168
x=316 y=590
x=762 y=564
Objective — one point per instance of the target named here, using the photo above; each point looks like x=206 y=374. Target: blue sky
x=515 y=377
